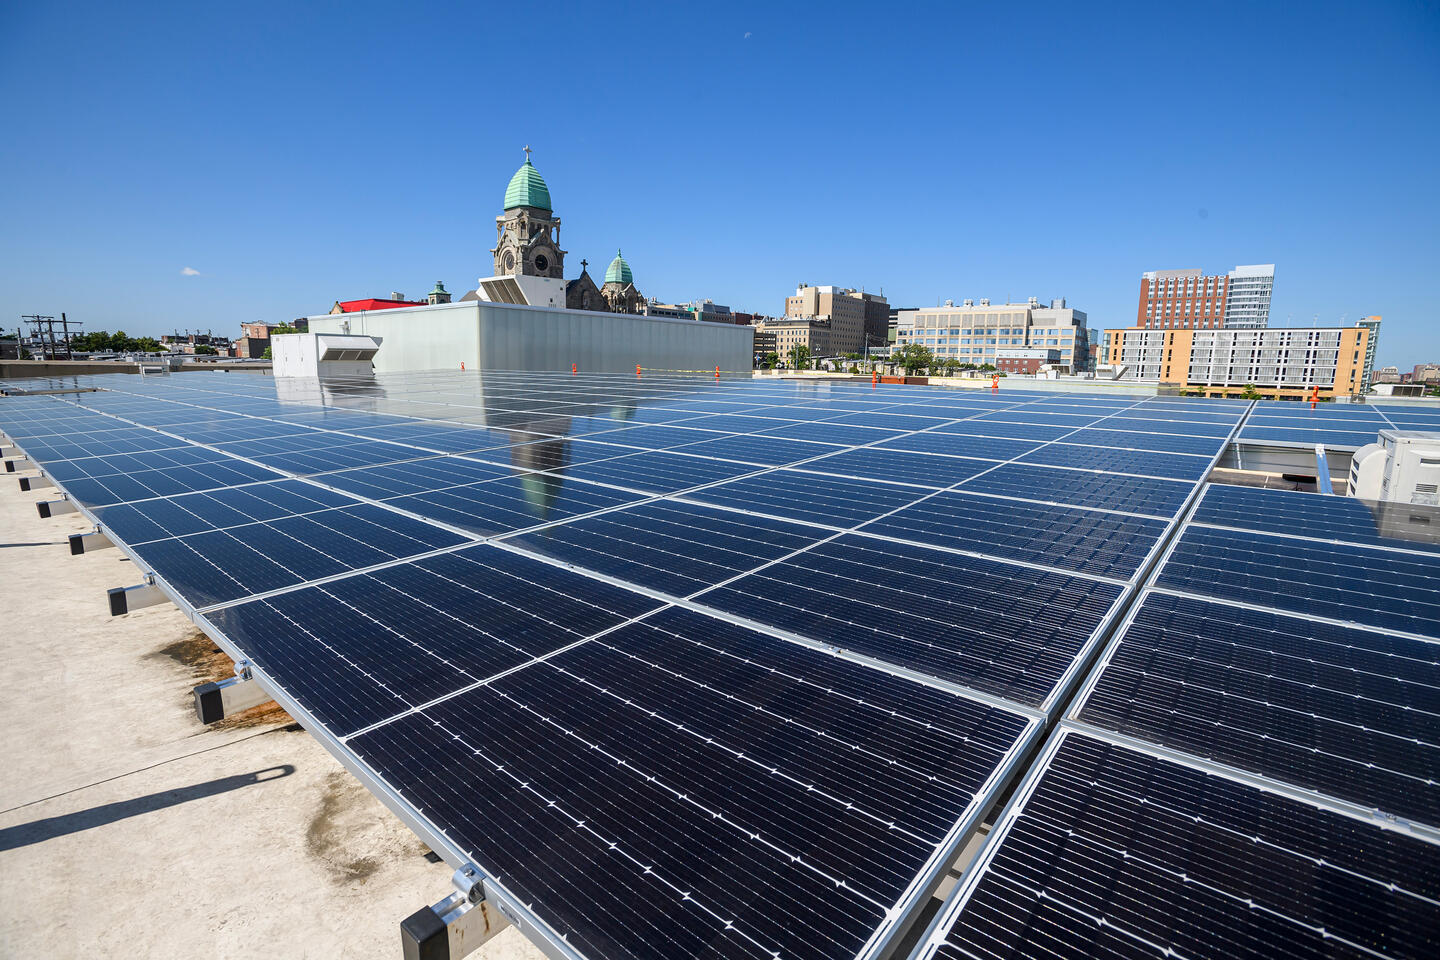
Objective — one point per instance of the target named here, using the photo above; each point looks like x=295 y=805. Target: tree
x=283 y=328
x=147 y=345
x=951 y=365
x=205 y=350
x=770 y=360
x=1249 y=393
x=266 y=354
x=799 y=357
x=913 y=358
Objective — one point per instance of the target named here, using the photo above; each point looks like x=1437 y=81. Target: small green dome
x=619 y=271
x=527 y=189
x=439 y=287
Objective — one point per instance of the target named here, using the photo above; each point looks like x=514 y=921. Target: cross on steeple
x=527 y=153
x=583 y=265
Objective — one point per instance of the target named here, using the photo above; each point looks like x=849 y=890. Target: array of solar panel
x=755 y=655
x=1340 y=426
x=1284 y=668
x=1117 y=852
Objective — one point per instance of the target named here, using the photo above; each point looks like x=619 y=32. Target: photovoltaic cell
x=1363 y=585
x=1117 y=853
x=1349 y=713
x=1103 y=544
x=1011 y=630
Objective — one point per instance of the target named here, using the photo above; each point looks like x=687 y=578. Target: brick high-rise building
x=1189 y=300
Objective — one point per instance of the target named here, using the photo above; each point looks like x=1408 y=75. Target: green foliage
x=770 y=360
x=913 y=358
x=283 y=328
x=854 y=368
x=101 y=341
x=799 y=356
x=205 y=350
x=1249 y=393
x=266 y=354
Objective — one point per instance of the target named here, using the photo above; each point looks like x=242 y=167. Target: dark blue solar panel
x=1104 y=544
x=1349 y=713
x=1153 y=497
x=1330 y=438
x=120 y=488
x=137 y=523
x=364 y=648
x=712 y=799
x=835 y=501
x=223 y=565
x=761 y=451
x=1009 y=630
x=825 y=432
x=658 y=471
x=898 y=466
x=1006 y=428
x=513 y=503
x=670 y=546
x=959 y=445
x=1117 y=853
x=1130 y=439
x=413 y=476
x=1111 y=460
x=1378 y=588
x=1392 y=524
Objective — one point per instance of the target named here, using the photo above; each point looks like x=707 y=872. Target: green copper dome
x=527 y=189
x=619 y=271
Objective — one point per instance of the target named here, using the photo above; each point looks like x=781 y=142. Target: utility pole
x=65 y=332
x=45 y=330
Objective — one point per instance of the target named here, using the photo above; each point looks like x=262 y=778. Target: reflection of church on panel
x=527 y=252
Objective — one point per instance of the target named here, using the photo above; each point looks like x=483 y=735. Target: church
x=527 y=244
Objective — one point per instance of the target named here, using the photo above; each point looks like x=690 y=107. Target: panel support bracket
x=125 y=599
x=455 y=926
x=88 y=542
x=1322 y=470
x=225 y=698
x=53 y=508
x=38 y=482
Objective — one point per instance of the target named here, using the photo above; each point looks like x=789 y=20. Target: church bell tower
x=528 y=232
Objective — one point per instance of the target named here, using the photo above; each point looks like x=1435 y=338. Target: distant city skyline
x=182 y=167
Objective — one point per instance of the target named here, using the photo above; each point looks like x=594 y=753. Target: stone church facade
x=527 y=243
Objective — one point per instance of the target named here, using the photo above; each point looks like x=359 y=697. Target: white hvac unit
x=522 y=290
x=323 y=355
x=1404 y=467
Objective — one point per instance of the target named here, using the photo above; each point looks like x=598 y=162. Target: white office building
x=974 y=332
x=1247 y=305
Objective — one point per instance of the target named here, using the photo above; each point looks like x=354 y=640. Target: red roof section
x=373 y=303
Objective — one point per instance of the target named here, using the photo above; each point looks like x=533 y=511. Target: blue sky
x=295 y=154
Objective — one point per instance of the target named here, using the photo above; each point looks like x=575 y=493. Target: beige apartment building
x=854 y=316
x=1286 y=363
x=790 y=332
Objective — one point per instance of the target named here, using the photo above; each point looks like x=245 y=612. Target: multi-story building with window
x=1190 y=300
x=857 y=318
x=1284 y=362
x=975 y=332
x=1373 y=325
x=790 y=332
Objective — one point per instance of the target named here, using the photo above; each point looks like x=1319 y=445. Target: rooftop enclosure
x=493 y=336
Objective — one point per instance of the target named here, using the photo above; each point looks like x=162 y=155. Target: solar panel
x=1111 y=851
x=684 y=667
x=1251 y=767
